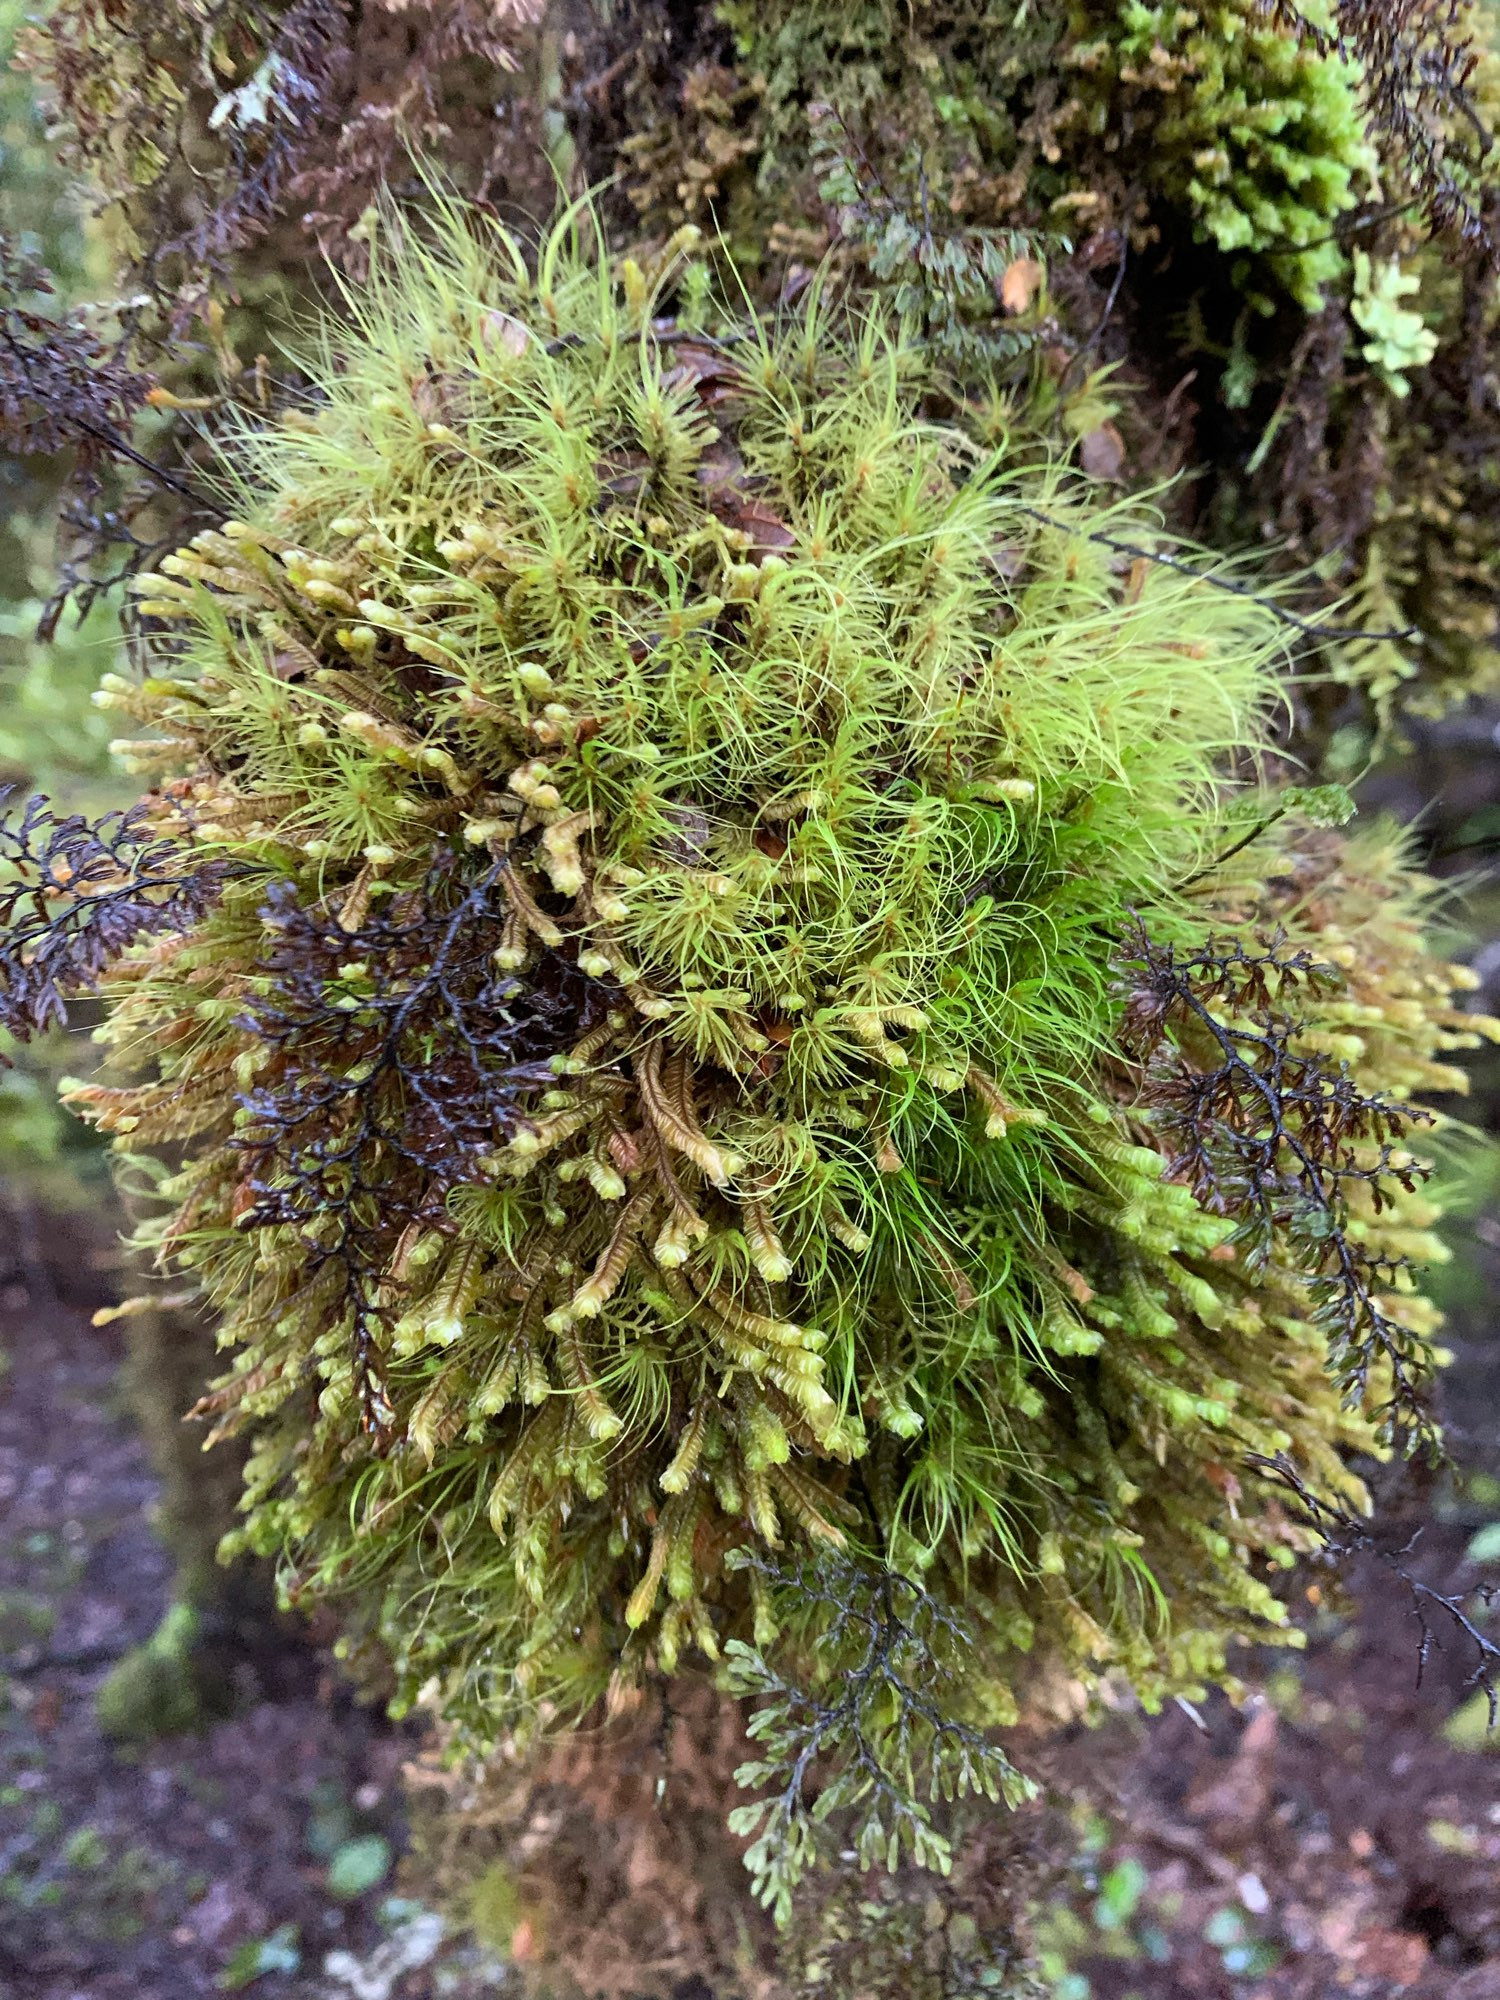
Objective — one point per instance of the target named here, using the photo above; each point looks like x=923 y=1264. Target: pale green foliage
x=1257 y=136
x=1397 y=338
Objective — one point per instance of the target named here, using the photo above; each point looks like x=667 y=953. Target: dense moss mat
x=1280 y=238
x=646 y=941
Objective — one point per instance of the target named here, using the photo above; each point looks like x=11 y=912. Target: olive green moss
x=992 y=117
x=1337 y=356
x=834 y=746
x=1233 y=123
x=154 y=1690
x=1278 y=323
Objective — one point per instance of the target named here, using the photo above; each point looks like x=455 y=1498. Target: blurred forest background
x=168 y=1831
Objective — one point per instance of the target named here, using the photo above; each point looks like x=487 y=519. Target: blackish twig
x=1415 y=60
x=1345 y=1537
x=399 y=1057
x=1278 y=1137
x=77 y=894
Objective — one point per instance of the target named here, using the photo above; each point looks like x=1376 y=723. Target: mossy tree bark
x=221 y=1625
x=936 y=160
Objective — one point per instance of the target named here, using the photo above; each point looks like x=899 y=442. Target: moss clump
x=1195 y=180
x=1425 y=553
x=1253 y=135
x=963 y=122
x=156 y=1689
x=1236 y=161
x=666 y=805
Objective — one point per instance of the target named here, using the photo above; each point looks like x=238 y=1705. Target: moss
x=1471 y=1727
x=168 y=1352
x=968 y=121
x=1257 y=139
x=1427 y=561
x=1230 y=153
x=154 y=1690
x=1240 y=165
x=202 y=1659
x=494 y=1907
x=652 y=1083
x=732 y=892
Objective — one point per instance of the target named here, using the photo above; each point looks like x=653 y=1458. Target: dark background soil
x=134 y=1874
x=1322 y=1841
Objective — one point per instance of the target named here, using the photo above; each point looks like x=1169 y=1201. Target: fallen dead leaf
x=498 y=329
x=765 y=531
x=1020 y=284
x=1399 y=1958
x=1101 y=453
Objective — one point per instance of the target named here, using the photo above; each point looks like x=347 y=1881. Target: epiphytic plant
x=668 y=813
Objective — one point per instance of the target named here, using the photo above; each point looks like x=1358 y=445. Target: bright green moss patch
x=1255 y=136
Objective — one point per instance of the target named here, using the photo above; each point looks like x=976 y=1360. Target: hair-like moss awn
x=654 y=1059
